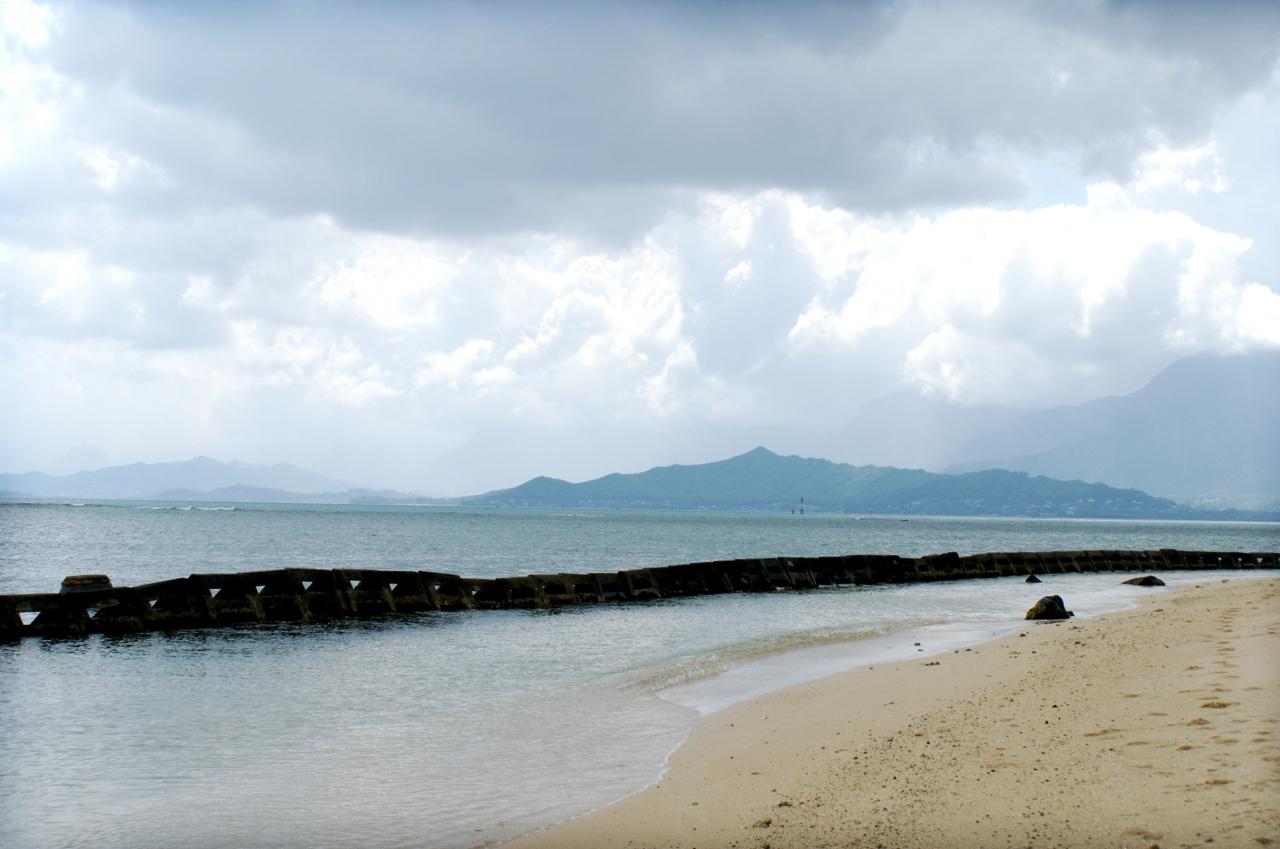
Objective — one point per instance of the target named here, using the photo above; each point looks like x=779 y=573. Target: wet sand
x=1152 y=727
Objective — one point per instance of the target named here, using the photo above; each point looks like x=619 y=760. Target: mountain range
x=1205 y=431
x=200 y=475
x=756 y=480
x=1202 y=431
x=763 y=480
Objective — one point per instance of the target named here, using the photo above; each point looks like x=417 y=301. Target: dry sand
x=1154 y=727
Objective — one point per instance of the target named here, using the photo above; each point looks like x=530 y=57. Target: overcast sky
x=363 y=237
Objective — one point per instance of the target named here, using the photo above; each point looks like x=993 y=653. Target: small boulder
x=85 y=583
x=1049 y=607
x=1146 y=581
x=1032 y=579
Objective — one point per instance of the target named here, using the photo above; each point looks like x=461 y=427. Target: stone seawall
x=89 y=605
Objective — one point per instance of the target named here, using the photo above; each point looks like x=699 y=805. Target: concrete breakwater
x=89 y=604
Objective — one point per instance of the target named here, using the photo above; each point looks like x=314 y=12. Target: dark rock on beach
x=1146 y=581
x=1032 y=579
x=1049 y=607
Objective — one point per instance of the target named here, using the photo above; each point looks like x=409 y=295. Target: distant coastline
x=198 y=501
x=759 y=480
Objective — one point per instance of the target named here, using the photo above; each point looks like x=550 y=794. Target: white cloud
x=395 y=282
x=1192 y=169
x=733 y=216
x=1051 y=293
x=25 y=23
x=468 y=360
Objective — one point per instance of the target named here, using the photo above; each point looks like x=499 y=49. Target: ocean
x=453 y=729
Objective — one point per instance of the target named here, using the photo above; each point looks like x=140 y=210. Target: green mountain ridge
x=763 y=480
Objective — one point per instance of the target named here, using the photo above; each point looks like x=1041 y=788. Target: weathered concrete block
x=451 y=592
x=1090 y=560
x=704 y=578
x=58 y=616
x=939 y=567
x=326 y=594
x=744 y=575
x=410 y=593
x=1051 y=563
x=558 y=589
x=776 y=575
x=798 y=571
x=828 y=571
x=370 y=591
x=640 y=584
x=10 y=623
x=564 y=588
x=124 y=612
x=610 y=586
x=281 y=595
x=232 y=599
x=859 y=569
x=522 y=592
x=889 y=568
x=672 y=581
x=177 y=603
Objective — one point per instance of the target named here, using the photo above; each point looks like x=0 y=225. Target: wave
x=687 y=669
x=182 y=507
x=121 y=506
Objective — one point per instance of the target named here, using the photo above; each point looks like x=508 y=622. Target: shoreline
x=1081 y=733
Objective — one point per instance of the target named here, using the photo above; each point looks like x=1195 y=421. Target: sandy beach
x=1151 y=727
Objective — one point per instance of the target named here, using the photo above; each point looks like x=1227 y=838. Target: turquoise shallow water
x=448 y=729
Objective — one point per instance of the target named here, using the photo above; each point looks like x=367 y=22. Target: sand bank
x=1153 y=727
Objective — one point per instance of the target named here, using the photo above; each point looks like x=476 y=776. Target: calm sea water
x=449 y=729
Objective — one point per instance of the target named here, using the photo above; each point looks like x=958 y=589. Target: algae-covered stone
x=1049 y=607
x=1146 y=581
x=85 y=583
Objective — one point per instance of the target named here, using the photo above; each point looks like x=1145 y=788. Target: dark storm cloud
x=596 y=117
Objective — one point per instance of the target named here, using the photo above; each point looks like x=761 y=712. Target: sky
x=441 y=246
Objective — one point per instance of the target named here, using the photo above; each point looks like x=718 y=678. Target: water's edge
x=757 y=677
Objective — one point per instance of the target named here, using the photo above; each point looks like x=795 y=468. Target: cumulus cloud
x=355 y=237
x=1025 y=307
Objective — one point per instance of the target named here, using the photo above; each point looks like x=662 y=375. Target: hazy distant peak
x=148 y=480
